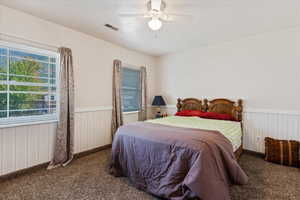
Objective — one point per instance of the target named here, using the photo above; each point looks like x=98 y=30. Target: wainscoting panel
x=25 y=146
x=29 y=145
x=92 y=129
x=261 y=124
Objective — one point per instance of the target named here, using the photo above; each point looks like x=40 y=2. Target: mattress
x=230 y=129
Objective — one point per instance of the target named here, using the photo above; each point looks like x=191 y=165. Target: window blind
x=130 y=89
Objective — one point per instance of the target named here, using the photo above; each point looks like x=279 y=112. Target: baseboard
x=21 y=172
x=85 y=153
x=254 y=153
x=44 y=165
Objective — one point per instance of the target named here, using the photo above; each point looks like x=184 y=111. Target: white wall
x=92 y=57
x=23 y=147
x=264 y=70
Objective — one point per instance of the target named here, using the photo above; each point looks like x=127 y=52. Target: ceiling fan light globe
x=155 y=24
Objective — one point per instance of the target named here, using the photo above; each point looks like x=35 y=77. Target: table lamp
x=158 y=101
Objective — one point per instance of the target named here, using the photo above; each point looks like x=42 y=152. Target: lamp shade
x=158 y=101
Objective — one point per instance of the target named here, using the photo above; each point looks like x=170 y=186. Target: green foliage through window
x=27 y=83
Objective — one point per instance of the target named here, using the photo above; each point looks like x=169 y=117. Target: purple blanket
x=176 y=163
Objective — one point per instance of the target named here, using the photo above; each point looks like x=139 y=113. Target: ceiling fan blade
x=155 y=5
x=180 y=15
x=134 y=15
x=166 y=17
x=175 y=16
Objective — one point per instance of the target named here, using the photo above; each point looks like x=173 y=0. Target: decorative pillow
x=190 y=113
x=214 y=115
x=284 y=152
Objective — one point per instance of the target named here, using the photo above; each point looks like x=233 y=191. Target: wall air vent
x=111 y=27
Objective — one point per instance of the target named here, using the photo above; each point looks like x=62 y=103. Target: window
x=28 y=84
x=131 y=89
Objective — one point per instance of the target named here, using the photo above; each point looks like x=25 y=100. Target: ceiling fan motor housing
x=162 y=6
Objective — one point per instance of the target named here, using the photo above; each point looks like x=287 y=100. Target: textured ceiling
x=213 y=20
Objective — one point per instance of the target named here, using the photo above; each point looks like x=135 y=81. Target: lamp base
x=158 y=115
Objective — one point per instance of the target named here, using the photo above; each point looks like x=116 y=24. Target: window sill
x=131 y=112
x=11 y=125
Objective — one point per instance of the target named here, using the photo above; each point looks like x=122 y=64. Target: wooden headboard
x=189 y=104
x=223 y=106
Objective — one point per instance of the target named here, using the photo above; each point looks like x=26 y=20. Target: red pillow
x=206 y=115
x=190 y=113
x=214 y=115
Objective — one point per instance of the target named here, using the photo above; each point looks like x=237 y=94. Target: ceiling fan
x=156 y=13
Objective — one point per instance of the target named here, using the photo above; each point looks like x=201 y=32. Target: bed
x=223 y=106
x=183 y=157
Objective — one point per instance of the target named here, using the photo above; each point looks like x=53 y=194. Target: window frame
x=130 y=67
x=34 y=119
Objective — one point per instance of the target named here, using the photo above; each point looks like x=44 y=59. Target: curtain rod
x=7 y=37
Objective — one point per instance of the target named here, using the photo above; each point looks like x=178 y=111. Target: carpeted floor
x=87 y=178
